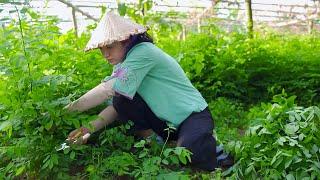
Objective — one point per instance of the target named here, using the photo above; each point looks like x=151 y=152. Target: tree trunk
x=310 y=26
x=74 y=18
x=199 y=25
x=250 y=20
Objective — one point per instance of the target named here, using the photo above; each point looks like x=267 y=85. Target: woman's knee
x=123 y=103
x=132 y=109
x=118 y=102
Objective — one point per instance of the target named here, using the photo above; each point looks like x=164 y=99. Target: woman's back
x=160 y=81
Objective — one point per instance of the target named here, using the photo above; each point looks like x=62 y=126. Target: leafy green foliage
x=36 y=80
x=42 y=70
x=283 y=143
x=252 y=70
x=229 y=118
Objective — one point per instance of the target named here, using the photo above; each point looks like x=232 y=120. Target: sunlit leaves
x=285 y=140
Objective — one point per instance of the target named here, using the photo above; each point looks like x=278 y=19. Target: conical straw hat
x=113 y=28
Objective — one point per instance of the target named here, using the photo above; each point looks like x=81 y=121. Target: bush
x=253 y=70
x=229 y=119
x=284 y=143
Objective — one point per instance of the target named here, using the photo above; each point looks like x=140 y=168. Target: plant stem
x=164 y=145
x=24 y=47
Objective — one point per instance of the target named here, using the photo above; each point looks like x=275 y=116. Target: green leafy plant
x=42 y=70
x=282 y=144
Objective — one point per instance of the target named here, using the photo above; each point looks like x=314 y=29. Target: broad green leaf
x=315 y=149
x=72 y=155
x=66 y=151
x=178 y=150
x=253 y=130
x=166 y=152
x=290 y=101
x=90 y=168
x=317 y=111
x=291 y=117
x=49 y=125
x=303 y=124
x=301 y=136
x=5 y=125
x=297 y=116
x=278 y=161
x=174 y=159
x=249 y=170
x=293 y=142
x=264 y=131
x=307 y=153
x=183 y=159
x=143 y=154
x=310 y=117
x=291 y=128
x=281 y=140
x=257 y=145
x=297 y=160
x=275 y=157
x=288 y=163
x=164 y=161
x=290 y=177
x=317 y=164
x=122 y=9
x=140 y=144
x=20 y=170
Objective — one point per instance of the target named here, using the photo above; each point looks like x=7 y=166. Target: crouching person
x=149 y=88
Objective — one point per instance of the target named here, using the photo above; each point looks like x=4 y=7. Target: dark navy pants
x=195 y=132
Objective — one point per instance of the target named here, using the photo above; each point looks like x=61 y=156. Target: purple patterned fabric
x=121 y=73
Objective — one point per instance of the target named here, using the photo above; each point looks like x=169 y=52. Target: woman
x=149 y=88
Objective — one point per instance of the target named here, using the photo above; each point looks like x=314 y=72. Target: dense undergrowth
x=250 y=85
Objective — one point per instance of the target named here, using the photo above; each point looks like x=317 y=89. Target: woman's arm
x=94 y=97
x=106 y=117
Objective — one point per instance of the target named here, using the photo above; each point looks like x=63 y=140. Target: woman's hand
x=79 y=136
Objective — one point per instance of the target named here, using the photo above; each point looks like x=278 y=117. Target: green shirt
x=160 y=81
